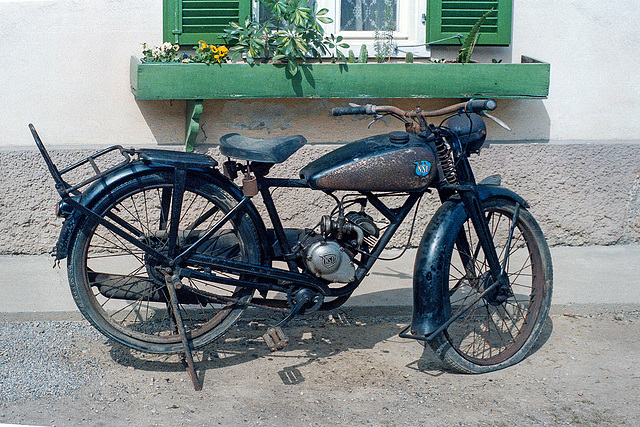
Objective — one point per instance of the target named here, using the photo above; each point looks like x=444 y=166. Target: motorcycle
x=165 y=251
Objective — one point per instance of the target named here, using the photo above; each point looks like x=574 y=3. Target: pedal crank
x=275 y=338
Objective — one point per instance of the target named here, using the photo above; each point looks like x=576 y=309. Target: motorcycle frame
x=466 y=189
x=70 y=196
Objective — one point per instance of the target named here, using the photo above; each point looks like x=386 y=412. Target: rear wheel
x=121 y=290
x=493 y=334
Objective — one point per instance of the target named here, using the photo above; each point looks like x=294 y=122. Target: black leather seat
x=274 y=150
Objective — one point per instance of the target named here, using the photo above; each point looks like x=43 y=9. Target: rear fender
x=103 y=186
x=431 y=304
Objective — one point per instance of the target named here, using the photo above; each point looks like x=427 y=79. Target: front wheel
x=122 y=290
x=493 y=334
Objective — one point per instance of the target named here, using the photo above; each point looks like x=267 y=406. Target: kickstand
x=188 y=357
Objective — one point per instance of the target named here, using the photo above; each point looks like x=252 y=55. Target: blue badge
x=423 y=168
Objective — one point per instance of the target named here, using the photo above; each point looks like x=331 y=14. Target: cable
x=406 y=246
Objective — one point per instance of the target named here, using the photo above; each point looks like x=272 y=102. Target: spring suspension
x=446 y=161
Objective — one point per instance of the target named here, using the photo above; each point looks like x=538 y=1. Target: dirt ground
x=351 y=368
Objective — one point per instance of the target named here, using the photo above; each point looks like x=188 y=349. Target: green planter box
x=529 y=79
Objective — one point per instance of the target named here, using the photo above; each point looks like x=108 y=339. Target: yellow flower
x=223 y=50
x=214 y=49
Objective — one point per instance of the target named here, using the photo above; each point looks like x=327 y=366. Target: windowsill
x=369 y=35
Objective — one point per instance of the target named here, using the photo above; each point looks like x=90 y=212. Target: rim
x=125 y=285
x=490 y=334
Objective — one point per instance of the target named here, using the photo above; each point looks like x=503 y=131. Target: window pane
x=367 y=15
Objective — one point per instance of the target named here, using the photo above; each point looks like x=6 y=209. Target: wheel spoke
x=490 y=333
x=117 y=282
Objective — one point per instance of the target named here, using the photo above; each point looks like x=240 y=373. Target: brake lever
x=375 y=119
x=497 y=120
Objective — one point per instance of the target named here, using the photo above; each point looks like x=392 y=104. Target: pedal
x=275 y=338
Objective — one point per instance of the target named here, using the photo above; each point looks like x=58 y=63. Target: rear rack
x=63 y=187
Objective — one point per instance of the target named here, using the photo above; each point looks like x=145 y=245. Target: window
x=358 y=20
x=359 y=15
x=187 y=21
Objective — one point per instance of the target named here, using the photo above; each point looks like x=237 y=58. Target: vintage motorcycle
x=165 y=251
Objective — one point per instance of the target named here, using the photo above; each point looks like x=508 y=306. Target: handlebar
x=346 y=111
x=471 y=106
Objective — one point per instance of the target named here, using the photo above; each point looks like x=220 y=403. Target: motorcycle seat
x=273 y=150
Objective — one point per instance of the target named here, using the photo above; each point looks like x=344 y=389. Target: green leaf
x=464 y=54
x=292 y=67
x=287 y=48
x=301 y=45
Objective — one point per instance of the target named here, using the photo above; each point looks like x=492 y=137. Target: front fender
x=431 y=305
x=103 y=186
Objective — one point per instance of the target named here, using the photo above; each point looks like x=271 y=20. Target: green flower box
x=529 y=79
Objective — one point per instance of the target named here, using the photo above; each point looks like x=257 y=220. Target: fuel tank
x=397 y=161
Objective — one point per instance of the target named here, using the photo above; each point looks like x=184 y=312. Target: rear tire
x=121 y=290
x=492 y=336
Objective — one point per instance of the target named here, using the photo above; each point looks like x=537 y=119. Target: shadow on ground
x=315 y=337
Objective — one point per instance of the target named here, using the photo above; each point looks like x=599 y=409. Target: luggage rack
x=64 y=188
x=67 y=191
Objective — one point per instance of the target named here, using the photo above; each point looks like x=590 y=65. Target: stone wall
x=581 y=194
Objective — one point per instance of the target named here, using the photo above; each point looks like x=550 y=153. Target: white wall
x=65 y=67
x=593 y=49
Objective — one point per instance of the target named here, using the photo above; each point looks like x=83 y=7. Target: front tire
x=121 y=290
x=492 y=335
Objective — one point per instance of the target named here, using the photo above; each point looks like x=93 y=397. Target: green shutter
x=188 y=21
x=447 y=18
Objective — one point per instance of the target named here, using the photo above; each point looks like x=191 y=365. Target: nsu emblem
x=329 y=260
x=423 y=168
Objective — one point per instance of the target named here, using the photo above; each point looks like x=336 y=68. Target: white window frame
x=410 y=36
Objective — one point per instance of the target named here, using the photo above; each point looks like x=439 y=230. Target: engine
x=331 y=255
x=329 y=260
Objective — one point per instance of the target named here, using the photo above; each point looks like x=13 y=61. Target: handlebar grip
x=478 y=105
x=344 y=111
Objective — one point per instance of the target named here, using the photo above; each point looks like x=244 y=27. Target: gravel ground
x=40 y=359
x=347 y=368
